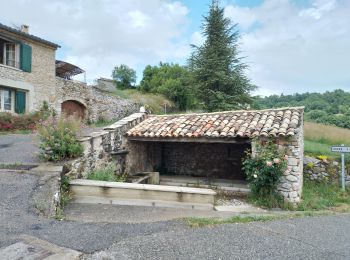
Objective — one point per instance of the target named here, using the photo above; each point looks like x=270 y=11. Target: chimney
x=24 y=28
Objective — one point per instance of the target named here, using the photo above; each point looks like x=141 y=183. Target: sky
x=289 y=45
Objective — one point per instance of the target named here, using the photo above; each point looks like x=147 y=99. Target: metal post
x=343 y=170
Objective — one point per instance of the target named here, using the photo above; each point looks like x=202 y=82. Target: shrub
x=264 y=170
x=58 y=137
x=107 y=173
x=13 y=122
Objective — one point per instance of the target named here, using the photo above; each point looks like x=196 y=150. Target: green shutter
x=20 y=102
x=26 y=57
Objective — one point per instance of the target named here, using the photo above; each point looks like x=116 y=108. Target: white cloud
x=197 y=38
x=294 y=48
x=98 y=35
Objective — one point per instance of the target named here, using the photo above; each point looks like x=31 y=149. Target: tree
x=124 y=76
x=218 y=71
x=171 y=80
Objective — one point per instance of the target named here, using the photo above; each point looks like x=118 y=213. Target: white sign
x=341 y=149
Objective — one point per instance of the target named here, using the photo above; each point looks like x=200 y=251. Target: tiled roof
x=29 y=36
x=229 y=124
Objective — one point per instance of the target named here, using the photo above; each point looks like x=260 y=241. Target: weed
x=107 y=173
x=201 y=222
x=320 y=196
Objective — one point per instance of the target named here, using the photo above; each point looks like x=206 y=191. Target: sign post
x=342 y=149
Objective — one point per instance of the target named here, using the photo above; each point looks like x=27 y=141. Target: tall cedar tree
x=218 y=72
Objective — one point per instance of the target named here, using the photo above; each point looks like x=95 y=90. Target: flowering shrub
x=13 y=122
x=264 y=170
x=58 y=137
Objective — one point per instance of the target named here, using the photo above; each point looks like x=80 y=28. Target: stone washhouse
x=206 y=146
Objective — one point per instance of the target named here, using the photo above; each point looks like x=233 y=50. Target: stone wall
x=291 y=183
x=212 y=160
x=100 y=147
x=98 y=104
x=321 y=170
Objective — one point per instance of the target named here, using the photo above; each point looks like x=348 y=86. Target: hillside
x=332 y=108
x=319 y=138
x=156 y=103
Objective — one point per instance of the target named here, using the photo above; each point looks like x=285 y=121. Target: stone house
x=205 y=147
x=30 y=75
x=27 y=70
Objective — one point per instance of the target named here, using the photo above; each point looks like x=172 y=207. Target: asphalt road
x=326 y=237
x=19 y=148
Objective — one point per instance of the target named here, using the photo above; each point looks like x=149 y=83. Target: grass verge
x=320 y=196
x=22 y=132
x=202 y=222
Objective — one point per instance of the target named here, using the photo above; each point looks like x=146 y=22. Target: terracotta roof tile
x=228 y=124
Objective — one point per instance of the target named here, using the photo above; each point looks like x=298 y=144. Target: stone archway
x=74 y=108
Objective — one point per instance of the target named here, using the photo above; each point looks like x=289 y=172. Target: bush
x=264 y=170
x=58 y=137
x=107 y=173
x=13 y=122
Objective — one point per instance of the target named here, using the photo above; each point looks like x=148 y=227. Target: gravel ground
x=326 y=237
x=19 y=148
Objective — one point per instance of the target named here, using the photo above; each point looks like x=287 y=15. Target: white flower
x=255 y=176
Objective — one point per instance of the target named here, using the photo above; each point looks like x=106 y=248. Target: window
x=5 y=100
x=11 y=55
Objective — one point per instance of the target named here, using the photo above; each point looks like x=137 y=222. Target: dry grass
x=319 y=138
x=326 y=134
x=155 y=102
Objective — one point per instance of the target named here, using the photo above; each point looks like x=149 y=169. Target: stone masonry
x=100 y=147
x=99 y=105
x=41 y=84
x=41 y=80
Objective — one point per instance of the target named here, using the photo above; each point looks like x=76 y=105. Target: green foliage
x=264 y=170
x=24 y=123
x=318 y=196
x=202 y=222
x=124 y=76
x=107 y=173
x=217 y=70
x=102 y=122
x=171 y=80
x=58 y=138
x=152 y=101
x=332 y=108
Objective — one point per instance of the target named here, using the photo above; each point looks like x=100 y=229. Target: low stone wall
x=98 y=104
x=99 y=147
x=321 y=170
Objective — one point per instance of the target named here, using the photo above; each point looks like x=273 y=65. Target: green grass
x=22 y=132
x=102 y=123
x=319 y=138
x=321 y=196
x=103 y=174
x=201 y=222
x=154 y=102
x=106 y=173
